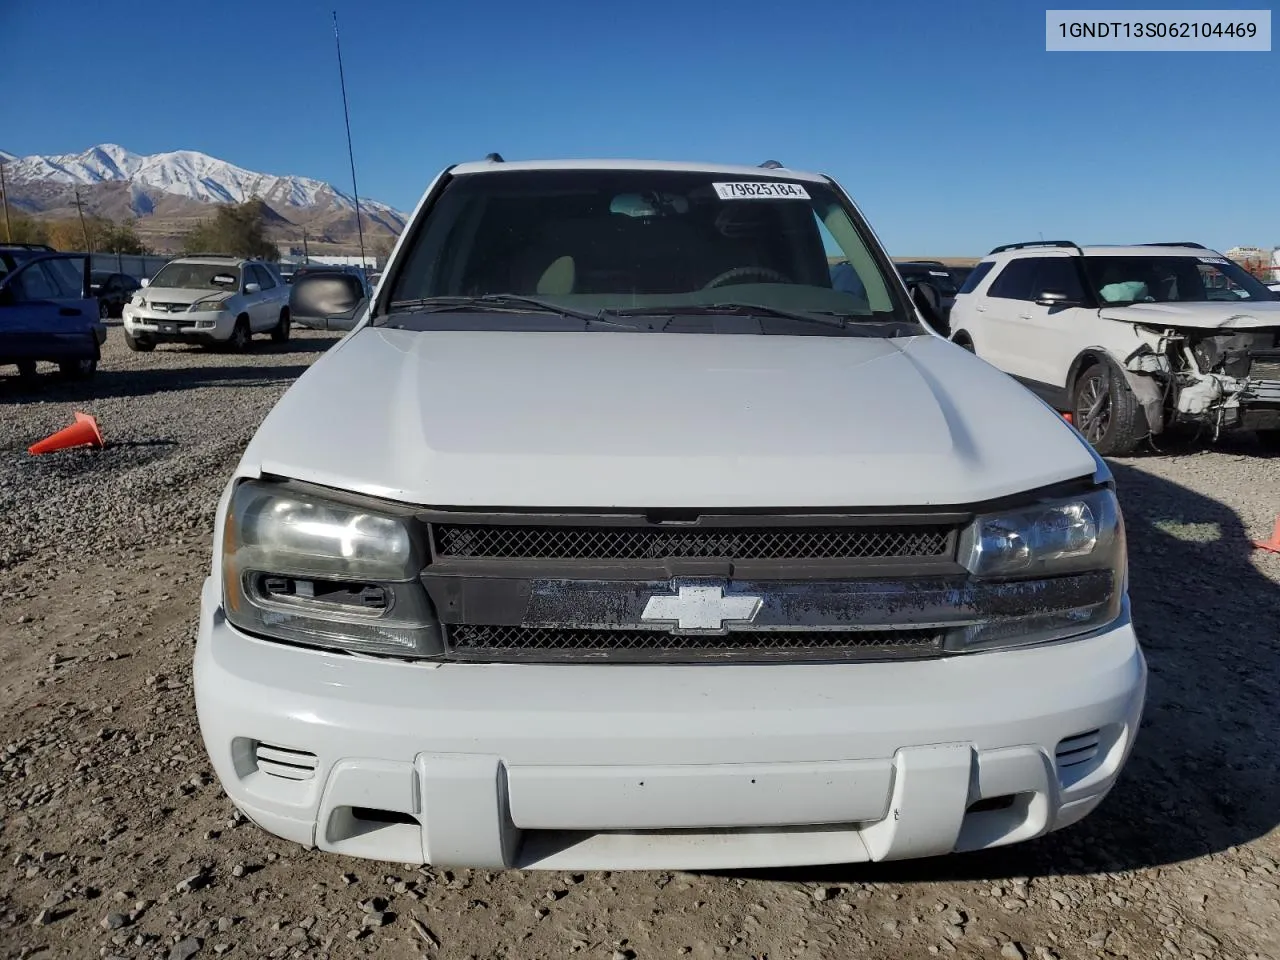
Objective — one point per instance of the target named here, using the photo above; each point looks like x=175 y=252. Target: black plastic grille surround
x=603 y=543
x=507 y=643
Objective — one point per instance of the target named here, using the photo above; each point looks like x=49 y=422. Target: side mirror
x=252 y=288
x=327 y=301
x=1056 y=298
x=928 y=300
x=145 y=282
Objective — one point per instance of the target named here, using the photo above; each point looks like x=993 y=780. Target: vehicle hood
x=179 y=294
x=1211 y=315
x=605 y=419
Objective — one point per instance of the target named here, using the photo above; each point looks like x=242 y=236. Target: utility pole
x=4 y=197
x=83 y=229
x=306 y=254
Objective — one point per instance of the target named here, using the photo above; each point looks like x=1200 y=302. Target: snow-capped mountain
x=190 y=175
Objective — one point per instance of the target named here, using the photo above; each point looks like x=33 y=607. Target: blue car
x=47 y=312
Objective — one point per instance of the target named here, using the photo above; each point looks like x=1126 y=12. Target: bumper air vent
x=283 y=763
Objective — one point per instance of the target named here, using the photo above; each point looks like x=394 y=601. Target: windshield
x=1179 y=279
x=197 y=276
x=940 y=277
x=648 y=243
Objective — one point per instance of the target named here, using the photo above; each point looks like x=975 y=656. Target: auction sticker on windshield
x=758 y=190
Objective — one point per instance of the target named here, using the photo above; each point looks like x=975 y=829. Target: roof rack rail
x=1037 y=243
x=772 y=165
x=494 y=158
x=1176 y=243
x=28 y=246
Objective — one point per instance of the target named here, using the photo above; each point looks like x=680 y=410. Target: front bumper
x=672 y=767
x=204 y=327
x=49 y=347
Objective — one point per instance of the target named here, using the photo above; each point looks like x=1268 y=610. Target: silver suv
x=211 y=300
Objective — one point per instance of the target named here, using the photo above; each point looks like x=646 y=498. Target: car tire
x=280 y=333
x=241 y=336
x=78 y=369
x=1105 y=411
x=138 y=344
x=962 y=340
x=1269 y=440
x=104 y=310
x=27 y=372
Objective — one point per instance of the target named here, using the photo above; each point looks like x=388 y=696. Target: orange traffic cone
x=1274 y=543
x=83 y=432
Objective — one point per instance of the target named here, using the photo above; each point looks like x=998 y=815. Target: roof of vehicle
x=1065 y=248
x=213 y=258
x=490 y=166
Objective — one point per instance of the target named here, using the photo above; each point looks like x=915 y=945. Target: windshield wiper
x=735 y=310
x=500 y=303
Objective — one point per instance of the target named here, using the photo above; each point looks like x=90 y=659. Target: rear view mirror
x=252 y=287
x=145 y=282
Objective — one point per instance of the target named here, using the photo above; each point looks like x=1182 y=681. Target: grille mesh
x=513 y=542
x=484 y=642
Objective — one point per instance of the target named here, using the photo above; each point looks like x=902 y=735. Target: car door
x=1001 y=314
x=265 y=311
x=1048 y=336
x=44 y=302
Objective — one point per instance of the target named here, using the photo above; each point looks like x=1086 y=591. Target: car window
x=263 y=276
x=197 y=276
x=33 y=283
x=1172 y=279
x=645 y=240
x=1058 y=274
x=976 y=276
x=1014 y=282
x=67 y=277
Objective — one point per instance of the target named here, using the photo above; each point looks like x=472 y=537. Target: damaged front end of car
x=1217 y=380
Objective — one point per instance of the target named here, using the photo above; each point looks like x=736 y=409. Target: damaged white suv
x=630 y=540
x=1130 y=340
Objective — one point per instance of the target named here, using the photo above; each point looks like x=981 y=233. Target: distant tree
x=235 y=229
x=66 y=235
x=24 y=229
x=120 y=238
x=382 y=246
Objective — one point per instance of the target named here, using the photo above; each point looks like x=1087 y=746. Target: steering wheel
x=737 y=274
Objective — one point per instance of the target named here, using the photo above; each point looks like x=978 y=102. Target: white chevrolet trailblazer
x=210 y=300
x=1132 y=341
x=631 y=540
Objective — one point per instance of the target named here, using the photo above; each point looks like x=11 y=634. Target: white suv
x=631 y=542
x=1129 y=341
x=210 y=300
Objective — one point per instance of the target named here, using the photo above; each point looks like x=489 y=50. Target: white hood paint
x=602 y=420
x=1210 y=315
x=180 y=294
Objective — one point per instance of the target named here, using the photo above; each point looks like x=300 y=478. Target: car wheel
x=1270 y=439
x=138 y=344
x=962 y=340
x=104 y=310
x=1105 y=411
x=240 y=336
x=78 y=369
x=27 y=373
x=280 y=333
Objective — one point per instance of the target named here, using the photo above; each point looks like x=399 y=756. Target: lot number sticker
x=758 y=190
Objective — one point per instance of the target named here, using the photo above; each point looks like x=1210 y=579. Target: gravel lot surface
x=115 y=841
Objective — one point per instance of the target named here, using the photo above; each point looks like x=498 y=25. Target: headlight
x=139 y=301
x=209 y=305
x=1065 y=561
x=324 y=569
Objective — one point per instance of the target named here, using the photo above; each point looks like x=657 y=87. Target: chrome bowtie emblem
x=701 y=608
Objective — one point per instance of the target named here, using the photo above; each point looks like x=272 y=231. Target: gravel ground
x=115 y=841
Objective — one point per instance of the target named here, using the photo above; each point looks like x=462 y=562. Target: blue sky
x=948 y=123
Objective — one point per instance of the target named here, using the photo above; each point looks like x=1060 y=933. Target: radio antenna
x=346 y=115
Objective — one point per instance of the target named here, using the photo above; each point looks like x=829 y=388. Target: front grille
x=536 y=542
x=169 y=307
x=502 y=643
